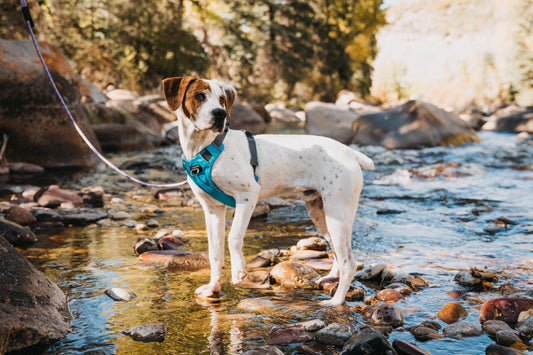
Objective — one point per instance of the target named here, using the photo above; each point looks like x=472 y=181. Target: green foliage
x=271 y=49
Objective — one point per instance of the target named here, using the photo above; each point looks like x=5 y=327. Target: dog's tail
x=364 y=161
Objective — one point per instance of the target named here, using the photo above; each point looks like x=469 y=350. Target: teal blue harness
x=199 y=167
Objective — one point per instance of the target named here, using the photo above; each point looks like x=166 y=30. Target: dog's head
x=207 y=103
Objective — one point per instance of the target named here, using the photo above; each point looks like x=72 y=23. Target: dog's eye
x=199 y=97
x=222 y=100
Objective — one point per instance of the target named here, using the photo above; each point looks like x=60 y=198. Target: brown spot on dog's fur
x=182 y=91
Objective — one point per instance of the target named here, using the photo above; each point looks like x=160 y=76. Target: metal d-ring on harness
x=200 y=166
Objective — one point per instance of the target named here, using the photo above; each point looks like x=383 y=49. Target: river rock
x=279 y=113
x=263 y=259
x=243 y=116
x=334 y=334
x=189 y=262
x=372 y=273
x=20 y=216
x=389 y=295
x=452 y=312
x=33 y=310
x=264 y=350
x=170 y=242
x=256 y=279
x=312 y=349
x=121 y=137
x=369 y=342
x=312 y=243
x=526 y=326
x=258 y=305
x=462 y=329
x=310 y=325
x=120 y=294
x=93 y=196
x=387 y=314
x=161 y=256
x=329 y=120
x=25 y=168
x=328 y=283
x=53 y=196
x=74 y=216
x=491 y=327
x=424 y=333
x=354 y=294
x=494 y=349
x=414 y=124
x=141 y=227
x=507 y=337
x=519 y=121
x=15 y=233
x=261 y=210
x=291 y=273
x=308 y=254
x=402 y=288
x=406 y=348
x=120 y=215
x=38 y=128
x=506 y=309
x=324 y=264
x=289 y=336
x=465 y=278
x=152 y=223
x=147 y=332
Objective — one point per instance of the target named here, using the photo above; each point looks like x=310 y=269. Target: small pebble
x=120 y=294
x=144 y=244
x=120 y=215
x=147 y=332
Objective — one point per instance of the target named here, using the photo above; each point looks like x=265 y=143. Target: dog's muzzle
x=219 y=117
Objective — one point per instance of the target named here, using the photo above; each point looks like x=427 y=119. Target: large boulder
x=325 y=119
x=243 y=116
x=414 y=124
x=511 y=119
x=33 y=310
x=30 y=113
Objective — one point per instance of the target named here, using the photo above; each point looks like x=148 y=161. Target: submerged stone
x=264 y=350
x=16 y=234
x=289 y=336
x=189 y=262
x=144 y=244
x=310 y=325
x=452 y=312
x=334 y=334
x=290 y=273
x=369 y=342
x=462 y=329
x=147 y=332
x=264 y=258
x=491 y=327
x=312 y=243
x=406 y=348
x=387 y=314
x=120 y=294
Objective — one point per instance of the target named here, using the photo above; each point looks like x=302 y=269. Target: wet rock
x=402 y=288
x=262 y=209
x=312 y=243
x=53 y=196
x=506 y=309
x=491 y=327
x=120 y=215
x=161 y=256
x=462 y=329
x=141 y=227
x=289 y=336
x=406 y=348
x=169 y=232
x=424 y=333
x=258 y=304
x=386 y=276
x=192 y=261
x=476 y=278
x=150 y=209
x=120 y=294
x=507 y=337
x=256 y=279
x=465 y=278
x=334 y=334
x=354 y=294
x=264 y=350
x=387 y=314
x=521 y=120
x=526 y=326
x=325 y=264
x=416 y=282
x=263 y=259
x=327 y=119
x=388 y=211
x=452 y=312
x=15 y=233
x=243 y=116
x=309 y=349
x=170 y=243
x=372 y=273
x=93 y=196
x=25 y=168
x=308 y=254
x=279 y=113
x=277 y=202
x=428 y=125
x=75 y=216
x=310 y=325
x=20 y=216
x=172 y=194
x=369 y=342
x=152 y=223
x=389 y=295
x=494 y=349
x=328 y=283
x=147 y=332
x=144 y=244
x=290 y=273
x=33 y=310
x=128 y=223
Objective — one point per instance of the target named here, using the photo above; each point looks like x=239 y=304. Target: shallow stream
x=430 y=211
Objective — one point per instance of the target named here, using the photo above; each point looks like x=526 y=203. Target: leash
x=29 y=22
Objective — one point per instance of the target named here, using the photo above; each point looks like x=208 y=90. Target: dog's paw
x=208 y=291
x=238 y=277
x=331 y=303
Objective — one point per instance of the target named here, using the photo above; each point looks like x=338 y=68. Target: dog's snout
x=219 y=113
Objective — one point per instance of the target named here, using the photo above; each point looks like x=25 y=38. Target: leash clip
x=195 y=170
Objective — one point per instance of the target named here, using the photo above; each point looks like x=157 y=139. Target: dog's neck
x=192 y=140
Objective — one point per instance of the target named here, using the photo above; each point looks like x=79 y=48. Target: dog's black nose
x=219 y=114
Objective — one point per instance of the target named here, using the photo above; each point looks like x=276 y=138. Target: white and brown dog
x=325 y=172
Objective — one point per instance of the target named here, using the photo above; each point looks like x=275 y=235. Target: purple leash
x=29 y=22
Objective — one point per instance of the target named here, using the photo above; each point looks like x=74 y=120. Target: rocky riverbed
x=439 y=232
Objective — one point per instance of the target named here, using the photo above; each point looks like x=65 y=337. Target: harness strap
x=253 y=150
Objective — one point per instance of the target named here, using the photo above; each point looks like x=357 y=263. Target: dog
x=326 y=173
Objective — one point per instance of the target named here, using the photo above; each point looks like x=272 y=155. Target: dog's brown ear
x=230 y=93
x=175 y=90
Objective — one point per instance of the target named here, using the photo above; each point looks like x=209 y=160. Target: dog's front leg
x=215 y=226
x=244 y=207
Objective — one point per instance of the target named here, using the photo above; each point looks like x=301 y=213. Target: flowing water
x=430 y=211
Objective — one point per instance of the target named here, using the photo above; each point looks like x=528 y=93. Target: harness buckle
x=195 y=170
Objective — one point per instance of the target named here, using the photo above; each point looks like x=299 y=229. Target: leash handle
x=29 y=22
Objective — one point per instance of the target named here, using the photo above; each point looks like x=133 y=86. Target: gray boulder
x=325 y=119
x=512 y=119
x=33 y=310
x=243 y=116
x=414 y=124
